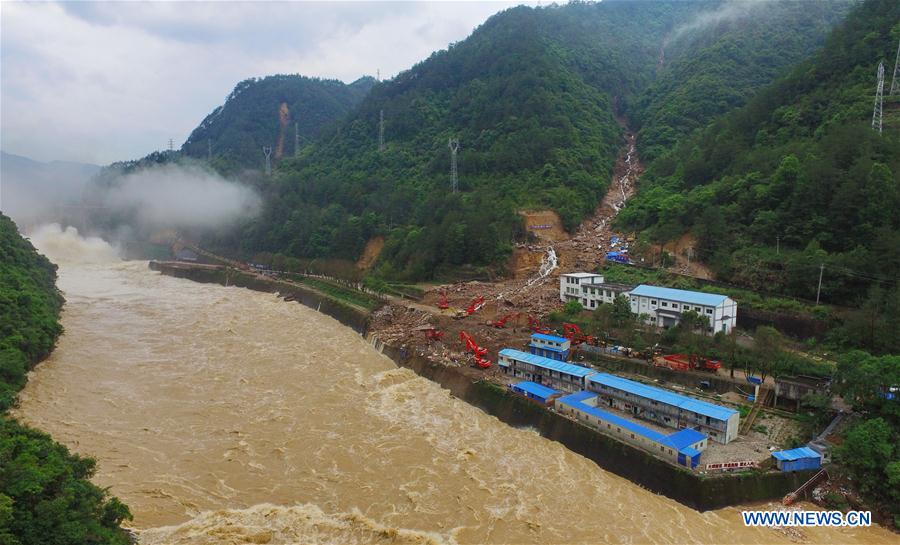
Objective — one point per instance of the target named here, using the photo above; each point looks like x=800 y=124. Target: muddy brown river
x=223 y=415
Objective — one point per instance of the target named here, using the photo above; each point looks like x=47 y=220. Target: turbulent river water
x=223 y=415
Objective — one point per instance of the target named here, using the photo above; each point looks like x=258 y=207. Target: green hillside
x=531 y=95
x=715 y=63
x=45 y=492
x=263 y=112
x=798 y=167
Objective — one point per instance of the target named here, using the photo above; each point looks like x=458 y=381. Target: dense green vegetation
x=46 y=497
x=794 y=179
x=715 y=63
x=252 y=117
x=871 y=448
x=29 y=308
x=530 y=96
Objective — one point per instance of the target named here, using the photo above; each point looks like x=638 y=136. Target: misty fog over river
x=223 y=415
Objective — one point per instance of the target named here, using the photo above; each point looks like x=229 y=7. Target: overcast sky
x=104 y=81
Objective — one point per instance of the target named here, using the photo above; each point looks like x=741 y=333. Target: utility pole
x=378 y=74
x=267 y=151
x=819 y=289
x=454 y=175
x=296 y=138
x=878 y=111
x=381 y=131
x=777 y=244
x=895 y=85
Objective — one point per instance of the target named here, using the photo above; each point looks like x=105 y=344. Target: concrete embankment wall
x=636 y=465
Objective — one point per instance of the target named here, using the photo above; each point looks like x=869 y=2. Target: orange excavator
x=501 y=323
x=475 y=305
x=574 y=334
x=443 y=302
x=478 y=351
x=537 y=327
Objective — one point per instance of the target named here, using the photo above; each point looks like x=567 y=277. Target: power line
x=267 y=151
x=878 y=111
x=895 y=85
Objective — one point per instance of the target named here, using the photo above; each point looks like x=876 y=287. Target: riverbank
x=701 y=492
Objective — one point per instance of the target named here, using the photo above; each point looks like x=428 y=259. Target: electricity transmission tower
x=171 y=145
x=296 y=139
x=381 y=131
x=267 y=150
x=454 y=176
x=879 y=99
x=895 y=85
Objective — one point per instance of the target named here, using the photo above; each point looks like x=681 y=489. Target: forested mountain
x=263 y=112
x=798 y=167
x=717 y=61
x=531 y=95
x=45 y=492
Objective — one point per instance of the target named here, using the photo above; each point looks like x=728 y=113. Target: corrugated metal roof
x=796 y=454
x=547 y=347
x=546 y=363
x=684 y=438
x=664 y=396
x=689 y=452
x=534 y=388
x=551 y=338
x=678 y=440
x=692 y=297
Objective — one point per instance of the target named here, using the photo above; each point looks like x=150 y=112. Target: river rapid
x=222 y=415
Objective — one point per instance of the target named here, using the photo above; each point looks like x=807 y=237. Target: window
x=697 y=309
x=632 y=436
x=652 y=301
x=709 y=311
x=674 y=305
x=665 y=304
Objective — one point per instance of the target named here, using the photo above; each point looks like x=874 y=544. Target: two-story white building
x=591 y=290
x=663 y=306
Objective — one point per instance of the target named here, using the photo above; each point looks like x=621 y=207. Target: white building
x=591 y=290
x=663 y=306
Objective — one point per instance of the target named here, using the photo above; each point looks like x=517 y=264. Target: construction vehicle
x=476 y=305
x=443 y=303
x=574 y=334
x=501 y=323
x=478 y=352
x=431 y=333
x=683 y=362
x=537 y=327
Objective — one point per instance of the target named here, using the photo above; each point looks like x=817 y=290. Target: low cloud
x=177 y=196
x=727 y=12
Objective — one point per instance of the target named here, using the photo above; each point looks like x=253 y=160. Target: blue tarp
x=663 y=396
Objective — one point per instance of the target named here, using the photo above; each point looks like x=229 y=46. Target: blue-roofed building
x=534 y=391
x=665 y=407
x=550 y=346
x=797 y=459
x=562 y=376
x=662 y=307
x=682 y=447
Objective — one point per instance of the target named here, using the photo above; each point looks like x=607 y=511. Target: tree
x=868 y=449
x=767 y=349
x=621 y=311
x=573 y=308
